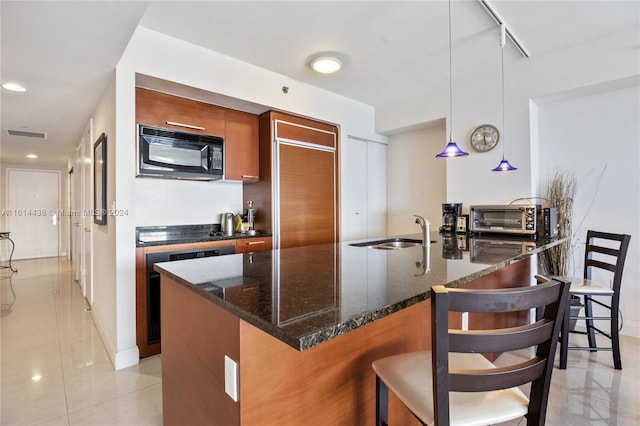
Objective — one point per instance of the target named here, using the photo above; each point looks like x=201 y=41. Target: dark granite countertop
x=147 y=236
x=308 y=295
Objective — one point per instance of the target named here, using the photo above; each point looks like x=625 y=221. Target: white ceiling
x=65 y=52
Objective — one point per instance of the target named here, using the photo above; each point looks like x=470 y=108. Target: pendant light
x=504 y=165
x=452 y=149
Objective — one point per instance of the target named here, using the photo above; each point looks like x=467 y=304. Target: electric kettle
x=227 y=223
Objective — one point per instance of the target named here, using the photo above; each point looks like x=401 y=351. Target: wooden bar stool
x=605 y=254
x=454 y=384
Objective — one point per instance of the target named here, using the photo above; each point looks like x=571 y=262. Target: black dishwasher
x=153 y=282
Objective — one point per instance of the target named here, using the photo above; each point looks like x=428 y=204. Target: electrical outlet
x=465 y=321
x=231 y=378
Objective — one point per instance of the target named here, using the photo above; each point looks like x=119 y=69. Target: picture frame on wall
x=100 y=180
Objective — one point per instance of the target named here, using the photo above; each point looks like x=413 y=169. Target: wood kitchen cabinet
x=160 y=109
x=239 y=129
x=297 y=196
x=247 y=245
x=241 y=146
x=148 y=347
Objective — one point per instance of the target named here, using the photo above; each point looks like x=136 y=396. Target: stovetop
x=175 y=234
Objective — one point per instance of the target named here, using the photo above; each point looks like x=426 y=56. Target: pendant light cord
x=502 y=43
x=451 y=82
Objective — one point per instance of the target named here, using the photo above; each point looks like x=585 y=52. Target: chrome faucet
x=426 y=230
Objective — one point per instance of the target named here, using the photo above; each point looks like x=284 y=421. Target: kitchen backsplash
x=179 y=202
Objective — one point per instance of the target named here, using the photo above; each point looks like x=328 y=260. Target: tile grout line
x=56 y=307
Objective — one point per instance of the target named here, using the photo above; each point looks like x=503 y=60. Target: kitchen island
x=304 y=324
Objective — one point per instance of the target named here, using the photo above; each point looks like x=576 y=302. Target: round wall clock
x=485 y=137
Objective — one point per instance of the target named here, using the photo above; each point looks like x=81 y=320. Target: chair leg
x=564 y=339
x=382 y=403
x=615 y=339
x=588 y=309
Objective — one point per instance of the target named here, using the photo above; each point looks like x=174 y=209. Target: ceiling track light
x=452 y=149
x=504 y=165
x=496 y=17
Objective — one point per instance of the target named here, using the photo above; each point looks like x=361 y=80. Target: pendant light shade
x=452 y=149
x=504 y=165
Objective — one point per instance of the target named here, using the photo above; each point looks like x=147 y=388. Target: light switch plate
x=231 y=378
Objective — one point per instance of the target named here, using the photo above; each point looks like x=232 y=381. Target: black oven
x=153 y=282
x=179 y=155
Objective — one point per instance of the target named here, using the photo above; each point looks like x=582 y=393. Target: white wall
x=109 y=291
x=156 y=202
x=416 y=179
x=597 y=138
x=476 y=94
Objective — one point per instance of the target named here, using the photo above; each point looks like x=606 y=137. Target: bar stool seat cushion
x=409 y=377
x=585 y=286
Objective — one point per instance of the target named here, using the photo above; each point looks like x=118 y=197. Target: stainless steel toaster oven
x=515 y=219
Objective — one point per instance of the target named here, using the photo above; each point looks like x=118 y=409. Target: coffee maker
x=450 y=213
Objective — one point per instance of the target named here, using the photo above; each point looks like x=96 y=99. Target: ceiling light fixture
x=32 y=156
x=326 y=64
x=14 y=87
x=504 y=165
x=452 y=149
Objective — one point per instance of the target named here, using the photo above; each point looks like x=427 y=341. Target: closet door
x=364 y=189
x=307 y=195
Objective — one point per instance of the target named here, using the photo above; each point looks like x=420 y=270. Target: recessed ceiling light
x=32 y=156
x=326 y=64
x=15 y=87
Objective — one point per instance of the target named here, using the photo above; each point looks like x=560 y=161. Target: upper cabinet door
x=241 y=147
x=176 y=113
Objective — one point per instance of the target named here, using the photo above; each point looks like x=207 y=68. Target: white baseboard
x=126 y=358
x=631 y=329
x=119 y=359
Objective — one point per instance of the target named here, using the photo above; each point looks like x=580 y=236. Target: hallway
x=55 y=370
x=54 y=367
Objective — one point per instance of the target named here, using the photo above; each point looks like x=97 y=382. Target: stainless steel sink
x=390 y=243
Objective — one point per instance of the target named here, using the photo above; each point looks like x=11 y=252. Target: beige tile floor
x=47 y=331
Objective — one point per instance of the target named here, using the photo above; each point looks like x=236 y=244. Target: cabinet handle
x=188 y=126
x=253 y=243
x=250 y=177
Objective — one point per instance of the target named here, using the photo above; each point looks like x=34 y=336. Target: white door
x=364 y=189
x=376 y=189
x=33 y=202
x=354 y=189
x=74 y=217
x=87 y=205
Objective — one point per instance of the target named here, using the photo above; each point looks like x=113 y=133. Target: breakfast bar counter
x=302 y=325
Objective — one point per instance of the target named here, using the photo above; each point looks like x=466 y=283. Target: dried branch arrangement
x=561 y=191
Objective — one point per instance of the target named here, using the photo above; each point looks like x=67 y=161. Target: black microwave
x=179 y=155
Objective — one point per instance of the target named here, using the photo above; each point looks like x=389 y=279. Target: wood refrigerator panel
x=307 y=194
